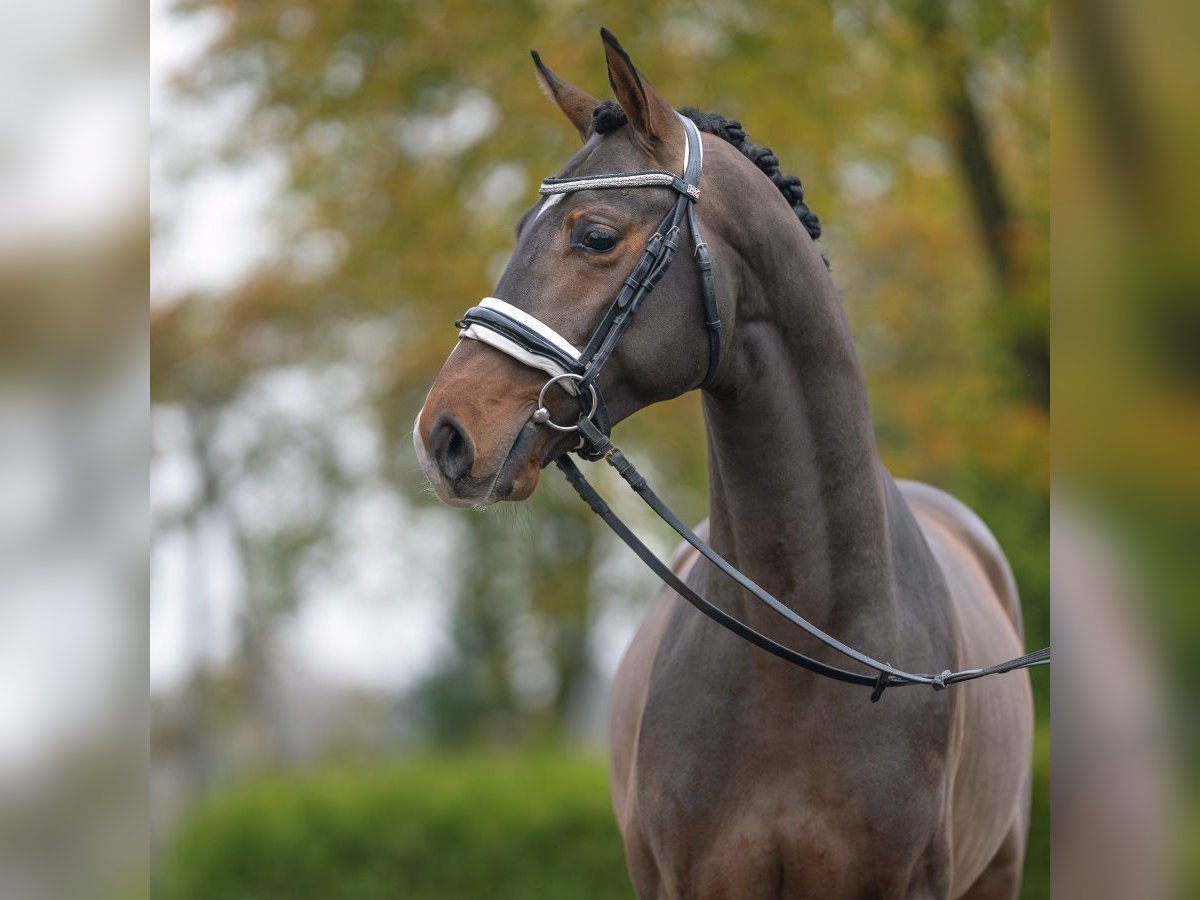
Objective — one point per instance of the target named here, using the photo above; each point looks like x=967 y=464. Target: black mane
x=609 y=116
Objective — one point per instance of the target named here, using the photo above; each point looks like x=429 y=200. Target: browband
x=637 y=180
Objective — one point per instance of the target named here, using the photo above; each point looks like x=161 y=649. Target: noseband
x=534 y=343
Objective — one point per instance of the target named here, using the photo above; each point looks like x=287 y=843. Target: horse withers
x=733 y=773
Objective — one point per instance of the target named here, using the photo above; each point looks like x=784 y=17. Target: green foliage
x=1036 y=885
x=451 y=829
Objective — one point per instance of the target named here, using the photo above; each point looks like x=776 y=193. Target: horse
x=734 y=774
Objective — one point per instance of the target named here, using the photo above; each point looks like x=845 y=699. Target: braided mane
x=609 y=116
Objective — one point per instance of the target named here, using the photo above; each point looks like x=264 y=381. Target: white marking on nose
x=419 y=445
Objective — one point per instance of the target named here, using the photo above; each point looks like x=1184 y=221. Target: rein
x=534 y=343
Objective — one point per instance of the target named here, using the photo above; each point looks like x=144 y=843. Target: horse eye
x=598 y=240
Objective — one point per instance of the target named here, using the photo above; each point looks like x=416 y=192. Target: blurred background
x=356 y=692
x=349 y=691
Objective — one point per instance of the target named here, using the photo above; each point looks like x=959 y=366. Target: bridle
x=534 y=343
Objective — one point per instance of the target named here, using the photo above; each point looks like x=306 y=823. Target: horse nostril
x=452 y=449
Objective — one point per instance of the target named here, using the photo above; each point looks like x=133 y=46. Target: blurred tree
x=959 y=38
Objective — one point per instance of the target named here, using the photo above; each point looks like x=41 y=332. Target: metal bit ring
x=541 y=415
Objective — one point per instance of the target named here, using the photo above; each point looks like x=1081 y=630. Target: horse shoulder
x=991 y=762
x=934 y=508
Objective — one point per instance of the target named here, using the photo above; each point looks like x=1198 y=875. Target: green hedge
x=1036 y=885
x=452 y=830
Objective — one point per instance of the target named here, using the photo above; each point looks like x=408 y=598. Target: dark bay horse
x=733 y=773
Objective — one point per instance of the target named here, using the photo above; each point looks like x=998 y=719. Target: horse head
x=476 y=436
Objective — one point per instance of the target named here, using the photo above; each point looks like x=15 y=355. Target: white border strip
x=687 y=145
x=689 y=124
x=511 y=348
x=533 y=324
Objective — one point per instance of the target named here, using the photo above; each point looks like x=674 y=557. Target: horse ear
x=651 y=116
x=576 y=105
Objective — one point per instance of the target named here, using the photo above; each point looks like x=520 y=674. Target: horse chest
x=742 y=778
x=772 y=765
x=757 y=827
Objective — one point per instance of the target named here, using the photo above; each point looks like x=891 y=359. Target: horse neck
x=799 y=498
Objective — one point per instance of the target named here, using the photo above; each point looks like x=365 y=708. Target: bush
x=460 y=828
x=453 y=829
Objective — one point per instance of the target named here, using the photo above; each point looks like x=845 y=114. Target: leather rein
x=532 y=342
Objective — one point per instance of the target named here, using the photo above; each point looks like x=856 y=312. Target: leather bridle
x=534 y=343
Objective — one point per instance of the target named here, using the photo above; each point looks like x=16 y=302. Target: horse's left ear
x=653 y=120
x=576 y=104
